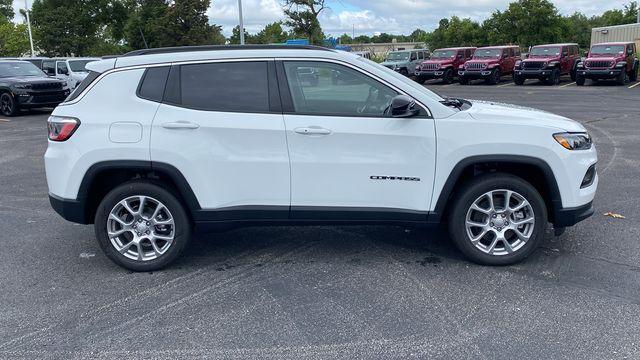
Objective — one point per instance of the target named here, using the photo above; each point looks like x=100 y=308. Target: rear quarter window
x=153 y=83
x=83 y=85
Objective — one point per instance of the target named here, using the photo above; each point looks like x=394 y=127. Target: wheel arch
x=102 y=177
x=533 y=170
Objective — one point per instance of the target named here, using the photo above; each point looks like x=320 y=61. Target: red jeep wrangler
x=489 y=63
x=547 y=63
x=615 y=60
x=444 y=64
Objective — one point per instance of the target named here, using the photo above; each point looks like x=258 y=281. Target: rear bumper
x=599 y=74
x=533 y=74
x=70 y=210
x=570 y=216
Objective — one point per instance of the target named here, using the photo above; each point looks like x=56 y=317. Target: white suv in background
x=71 y=70
x=161 y=140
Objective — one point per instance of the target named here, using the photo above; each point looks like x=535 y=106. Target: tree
x=345 y=39
x=419 y=35
x=186 y=23
x=6 y=10
x=303 y=19
x=144 y=26
x=235 y=36
x=14 y=40
x=271 y=34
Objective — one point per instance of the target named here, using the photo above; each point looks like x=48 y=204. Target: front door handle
x=312 y=130
x=180 y=125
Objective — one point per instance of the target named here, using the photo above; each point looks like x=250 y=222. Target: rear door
x=221 y=126
x=349 y=160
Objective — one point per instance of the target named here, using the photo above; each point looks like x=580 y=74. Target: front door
x=348 y=159
x=221 y=128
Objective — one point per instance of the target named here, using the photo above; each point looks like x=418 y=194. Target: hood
x=542 y=58
x=30 y=79
x=515 y=114
x=439 y=61
x=386 y=63
x=603 y=58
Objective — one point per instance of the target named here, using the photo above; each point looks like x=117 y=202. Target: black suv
x=24 y=86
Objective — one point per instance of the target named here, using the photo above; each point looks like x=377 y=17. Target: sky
x=375 y=16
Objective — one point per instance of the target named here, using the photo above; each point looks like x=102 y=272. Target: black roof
x=179 y=49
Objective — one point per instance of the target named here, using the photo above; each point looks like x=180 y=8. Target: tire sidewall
x=175 y=207
x=13 y=104
x=471 y=192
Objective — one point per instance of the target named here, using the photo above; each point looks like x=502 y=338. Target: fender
x=556 y=201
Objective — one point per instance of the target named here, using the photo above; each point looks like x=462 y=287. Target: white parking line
x=569 y=84
x=5 y=120
x=508 y=84
x=634 y=85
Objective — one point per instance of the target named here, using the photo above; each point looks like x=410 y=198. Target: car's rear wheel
x=494 y=78
x=497 y=219
x=141 y=226
x=8 y=105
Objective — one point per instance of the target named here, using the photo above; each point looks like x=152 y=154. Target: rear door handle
x=312 y=130
x=180 y=125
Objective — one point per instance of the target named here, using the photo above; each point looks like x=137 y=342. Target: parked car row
x=548 y=63
x=71 y=70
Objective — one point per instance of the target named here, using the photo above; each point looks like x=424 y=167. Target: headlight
x=621 y=64
x=573 y=141
x=22 y=86
x=551 y=64
x=580 y=65
x=518 y=63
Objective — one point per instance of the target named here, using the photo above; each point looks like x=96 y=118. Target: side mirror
x=586 y=53
x=403 y=106
x=565 y=54
x=526 y=56
x=63 y=71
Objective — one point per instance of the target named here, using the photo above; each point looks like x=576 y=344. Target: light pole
x=241 y=22
x=26 y=10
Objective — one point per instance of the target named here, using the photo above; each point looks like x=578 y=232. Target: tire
x=580 y=80
x=8 y=106
x=174 y=211
x=518 y=80
x=421 y=79
x=622 y=78
x=494 y=78
x=404 y=72
x=572 y=75
x=634 y=73
x=447 y=78
x=463 y=80
x=554 y=78
x=474 y=193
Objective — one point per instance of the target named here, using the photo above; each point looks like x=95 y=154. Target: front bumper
x=533 y=73
x=475 y=74
x=430 y=74
x=570 y=216
x=599 y=73
x=29 y=99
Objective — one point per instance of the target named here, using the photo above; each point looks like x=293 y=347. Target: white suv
x=159 y=141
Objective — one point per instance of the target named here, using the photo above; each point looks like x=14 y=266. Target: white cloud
x=256 y=14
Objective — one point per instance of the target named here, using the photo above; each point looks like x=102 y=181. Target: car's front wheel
x=494 y=78
x=8 y=105
x=497 y=219
x=141 y=226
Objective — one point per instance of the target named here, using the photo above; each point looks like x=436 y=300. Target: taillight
x=61 y=127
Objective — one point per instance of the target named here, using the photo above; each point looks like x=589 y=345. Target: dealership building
x=628 y=32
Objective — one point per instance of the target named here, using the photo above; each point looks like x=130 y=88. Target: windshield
x=22 y=68
x=443 y=54
x=79 y=65
x=607 y=49
x=487 y=53
x=398 y=56
x=545 y=51
x=402 y=78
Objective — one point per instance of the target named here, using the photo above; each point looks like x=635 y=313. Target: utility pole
x=26 y=10
x=241 y=22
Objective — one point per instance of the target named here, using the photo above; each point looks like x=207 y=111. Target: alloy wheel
x=141 y=228
x=6 y=104
x=500 y=222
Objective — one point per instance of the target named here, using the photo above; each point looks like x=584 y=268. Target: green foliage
x=14 y=40
x=6 y=10
x=186 y=23
x=303 y=19
x=271 y=34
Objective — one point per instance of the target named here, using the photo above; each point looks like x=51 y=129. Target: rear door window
x=225 y=86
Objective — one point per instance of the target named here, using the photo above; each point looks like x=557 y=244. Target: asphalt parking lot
x=331 y=292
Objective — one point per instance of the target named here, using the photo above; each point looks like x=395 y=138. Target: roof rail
x=179 y=49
